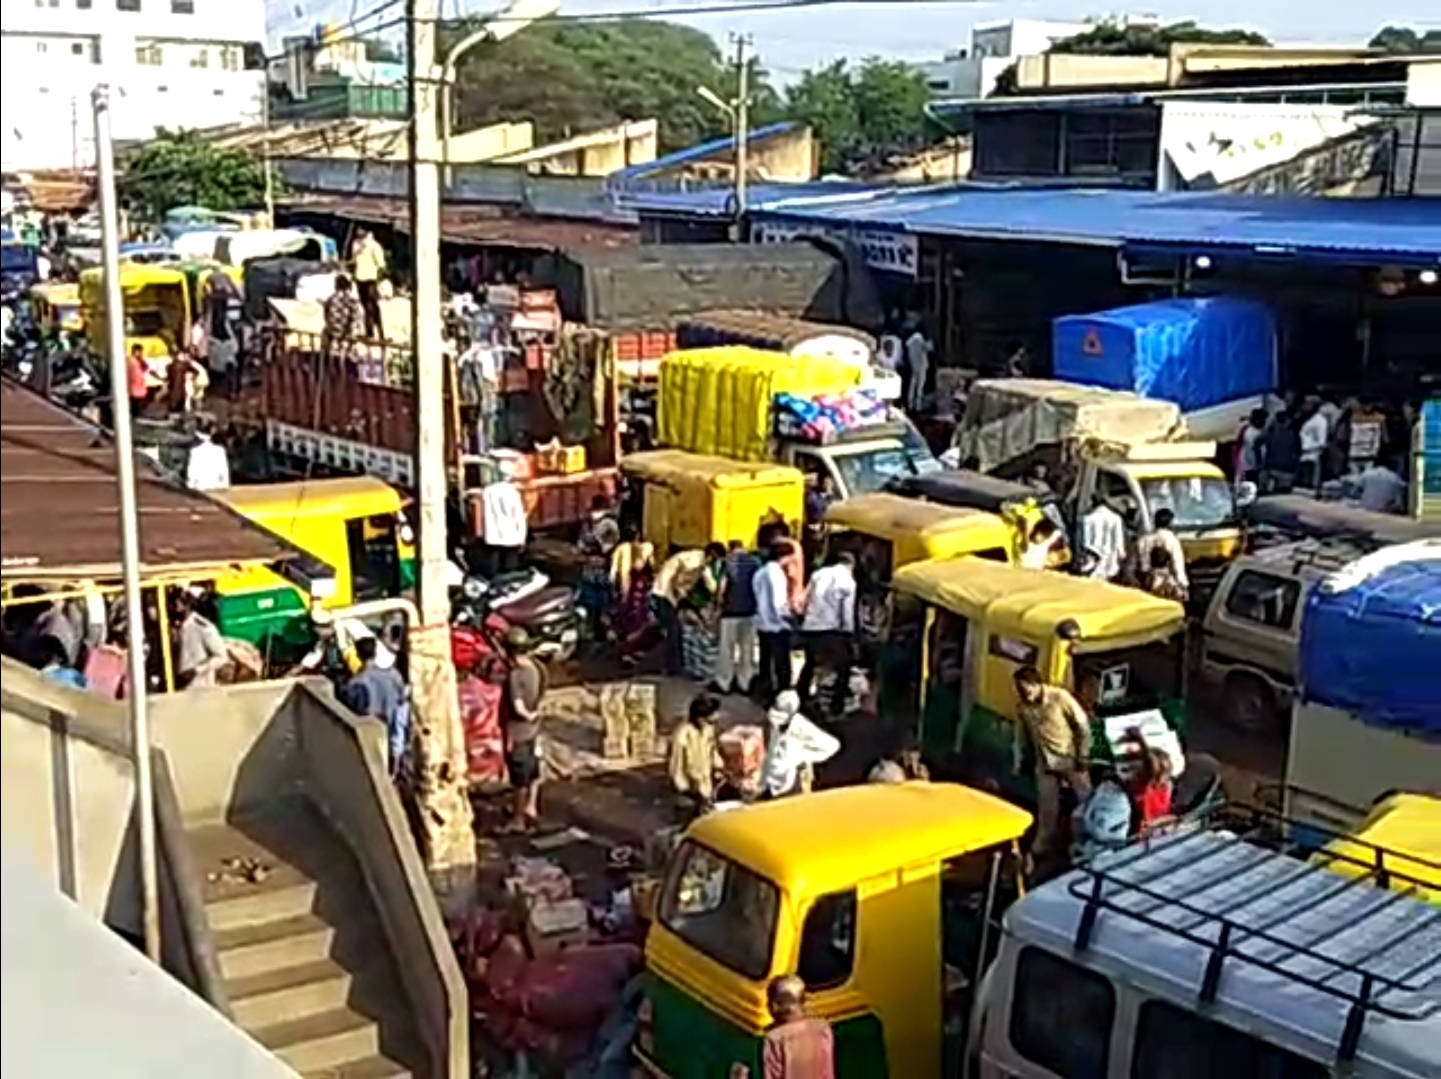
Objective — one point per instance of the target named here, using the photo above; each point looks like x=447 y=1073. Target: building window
x=1061 y=1016
x=77 y=48
x=84 y=5
x=127 y=5
x=47 y=3
x=200 y=57
x=182 y=7
x=230 y=57
x=149 y=55
x=42 y=47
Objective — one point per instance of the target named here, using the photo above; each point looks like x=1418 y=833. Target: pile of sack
x=822 y=418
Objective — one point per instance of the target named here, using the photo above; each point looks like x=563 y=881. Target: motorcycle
x=549 y=614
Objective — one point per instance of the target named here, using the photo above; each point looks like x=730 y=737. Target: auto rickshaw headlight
x=1069 y=630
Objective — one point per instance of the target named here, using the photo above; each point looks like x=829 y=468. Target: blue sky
x=788 y=42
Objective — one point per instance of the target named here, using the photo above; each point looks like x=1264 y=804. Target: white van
x=1199 y=955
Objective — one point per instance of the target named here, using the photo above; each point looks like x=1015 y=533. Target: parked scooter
x=550 y=614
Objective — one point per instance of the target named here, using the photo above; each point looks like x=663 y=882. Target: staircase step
x=248 y=950
x=273 y=997
x=376 y=1067
x=262 y=904
x=327 y=1040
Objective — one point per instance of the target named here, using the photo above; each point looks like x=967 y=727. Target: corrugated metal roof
x=59 y=509
x=718 y=200
x=478 y=224
x=702 y=150
x=1366 y=231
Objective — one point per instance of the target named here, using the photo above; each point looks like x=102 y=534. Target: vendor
x=694 y=757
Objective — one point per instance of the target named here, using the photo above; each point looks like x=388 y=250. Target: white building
x=169 y=63
x=995 y=46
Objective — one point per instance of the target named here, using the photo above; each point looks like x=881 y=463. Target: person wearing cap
x=794 y=747
x=797 y=1046
x=520 y=717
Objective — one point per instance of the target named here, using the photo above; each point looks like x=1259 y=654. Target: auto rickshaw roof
x=355 y=495
x=891 y=517
x=827 y=840
x=135 y=276
x=664 y=465
x=1303 y=515
x=1408 y=828
x=1035 y=603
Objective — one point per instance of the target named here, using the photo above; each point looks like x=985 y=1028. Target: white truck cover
x=1006 y=418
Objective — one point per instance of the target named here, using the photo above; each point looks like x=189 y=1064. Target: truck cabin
x=863 y=460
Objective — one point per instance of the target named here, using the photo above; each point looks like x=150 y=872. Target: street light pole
x=135 y=689
x=742 y=125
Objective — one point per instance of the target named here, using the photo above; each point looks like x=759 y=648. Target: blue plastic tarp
x=1195 y=351
x=1373 y=647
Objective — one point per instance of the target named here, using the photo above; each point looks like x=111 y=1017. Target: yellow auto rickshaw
x=353 y=526
x=157 y=312
x=1403 y=834
x=883 y=898
x=58 y=308
x=885 y=532
x=961 y=629
x=690 y=499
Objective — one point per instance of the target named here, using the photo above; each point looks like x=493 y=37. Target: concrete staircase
x=301 y=950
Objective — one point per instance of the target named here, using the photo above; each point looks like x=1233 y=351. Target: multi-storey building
x=169 y=63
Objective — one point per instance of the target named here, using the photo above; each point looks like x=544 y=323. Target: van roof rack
x=1376 y=949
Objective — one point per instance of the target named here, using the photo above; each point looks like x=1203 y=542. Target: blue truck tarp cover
x=1371 y=640
x=1194 y=351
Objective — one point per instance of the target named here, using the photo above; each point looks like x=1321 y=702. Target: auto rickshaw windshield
x=1198 y=502
x=721 y=909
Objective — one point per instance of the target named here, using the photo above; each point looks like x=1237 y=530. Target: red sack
x=505 y=972
x=576 y=988
x=480 y=702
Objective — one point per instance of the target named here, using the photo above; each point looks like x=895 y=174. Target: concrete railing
x=345 y=776
x=68 y=796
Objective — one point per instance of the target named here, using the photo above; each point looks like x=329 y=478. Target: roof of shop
x=1403 y=231
x=59 y=509
x=718 y=200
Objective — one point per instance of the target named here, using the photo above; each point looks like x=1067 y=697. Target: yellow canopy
x=1035 y=603
x=665 y=466
x=1408 y=828
x=830 y=839
x=940 y=531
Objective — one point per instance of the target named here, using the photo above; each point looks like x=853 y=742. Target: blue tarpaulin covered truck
x=1367 y=717
x=1213 y=356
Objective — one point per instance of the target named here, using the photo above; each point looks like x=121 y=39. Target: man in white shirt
x=503 y=521
x=1315 y=437
x=889 y=352
x=918 y=361
x=773 y=621
x=1103 y=542
x=207 y=467
x=794 y=746
x=828 y=628
x=1164 y=537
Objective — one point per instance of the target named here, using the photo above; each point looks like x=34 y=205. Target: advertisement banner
x=882 y=250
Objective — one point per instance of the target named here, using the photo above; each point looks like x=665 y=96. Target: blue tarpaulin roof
x=1396 y=231
x=1371 y=646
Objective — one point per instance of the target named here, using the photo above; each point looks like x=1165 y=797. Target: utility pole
x=444 y=792
x=742 y=43
x=265 y=142
x=135 y=689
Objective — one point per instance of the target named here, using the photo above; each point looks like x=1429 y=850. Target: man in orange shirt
x=137 y=381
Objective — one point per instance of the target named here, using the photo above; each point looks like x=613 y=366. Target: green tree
x=1113 y=39
x=1403 y=39
x=567 y=77
x=183 y=168
x=861 y=115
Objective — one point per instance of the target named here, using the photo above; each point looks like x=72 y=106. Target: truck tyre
x=1250 y=705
